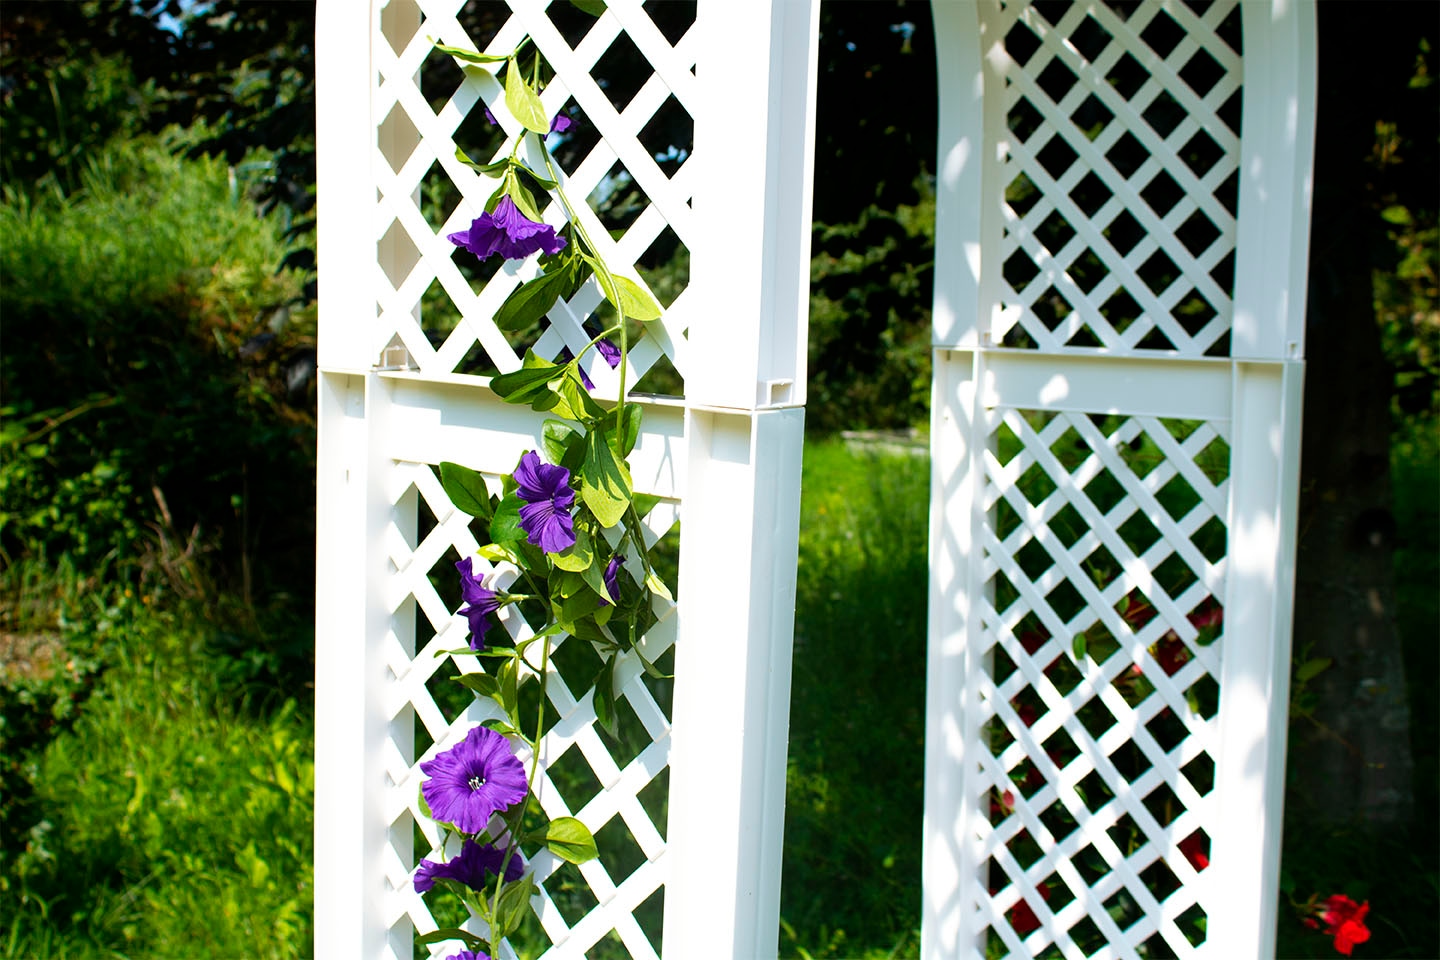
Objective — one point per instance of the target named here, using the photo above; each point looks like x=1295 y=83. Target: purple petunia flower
x=612 y=582
x=545 y=517
x=475 y=863
x=509 y=233
x=468 y=955
x=480 y=603
x=473 y=780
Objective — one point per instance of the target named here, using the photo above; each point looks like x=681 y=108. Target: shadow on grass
x=851 y=884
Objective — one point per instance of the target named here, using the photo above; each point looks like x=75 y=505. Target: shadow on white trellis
x=687 y=805
x=1122 y=220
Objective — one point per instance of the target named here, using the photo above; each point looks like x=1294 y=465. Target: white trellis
x=1118 y=327
x=1120 y=286
x=688 y=809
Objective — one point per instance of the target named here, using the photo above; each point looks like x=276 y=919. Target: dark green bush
x=149 y=370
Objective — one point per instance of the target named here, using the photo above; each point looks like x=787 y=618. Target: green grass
x=851 y=884
x=175 y=822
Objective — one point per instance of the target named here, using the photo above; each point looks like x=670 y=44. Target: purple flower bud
x=612 y=582
x=480 y=603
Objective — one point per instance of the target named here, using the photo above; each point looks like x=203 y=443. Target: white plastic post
x=348 y=835
x=755 y=137
x=744 y=433
x=1272 y=253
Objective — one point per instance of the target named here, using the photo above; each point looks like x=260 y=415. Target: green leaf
x=496 y=169
x=644 y=503
x=507 y=693
x=631 y=427
x=567 y=584
x=505 y=524
x=604 y=698
x=500 y=726
x=466 y=489
x=494 y=551
x=561 y=442
x=544 y=183
x=577 y=397
x=657 y=586
x=530 y=301
x=450 y=933
x=1311 y=669
x=524 y=102
x=524 y=200
x=579 y=604
x=578 y=556
x=512 y=906
x=596 y=8
x=604 y=481
x=651 y=669
x=470 y=56
x=1077 y=647
x=570 y=840
x=524 y=385
x=595 y=578
x=482 y=683
x=636 y=303
x=1396 y=214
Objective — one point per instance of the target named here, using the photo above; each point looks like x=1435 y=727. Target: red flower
x=1023 y=919
x=1193 y=847
x=1346 y=920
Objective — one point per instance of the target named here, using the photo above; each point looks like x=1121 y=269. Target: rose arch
x=535 y=697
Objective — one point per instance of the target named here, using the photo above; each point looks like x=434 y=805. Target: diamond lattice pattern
x=1116 y=131
x=609 y=907
x=626 y=80
x=1104 y=562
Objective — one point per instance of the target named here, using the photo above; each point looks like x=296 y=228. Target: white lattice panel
x=1115 y=132
x=579 y=774
x=1110 y=529
x=439 y=302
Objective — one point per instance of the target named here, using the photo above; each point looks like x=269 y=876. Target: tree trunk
x=1350 y=755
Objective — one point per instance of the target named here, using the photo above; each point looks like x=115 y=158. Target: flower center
x=476 y=782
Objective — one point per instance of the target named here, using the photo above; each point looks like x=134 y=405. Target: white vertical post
x=348 y=832
x=345 y=191
x=1271 y=255
x=949 y=857
x=1277 y=145
x=755 y=138
x=1255 y=685
x=740 y=528
x=741 y=505
x=955 y=484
